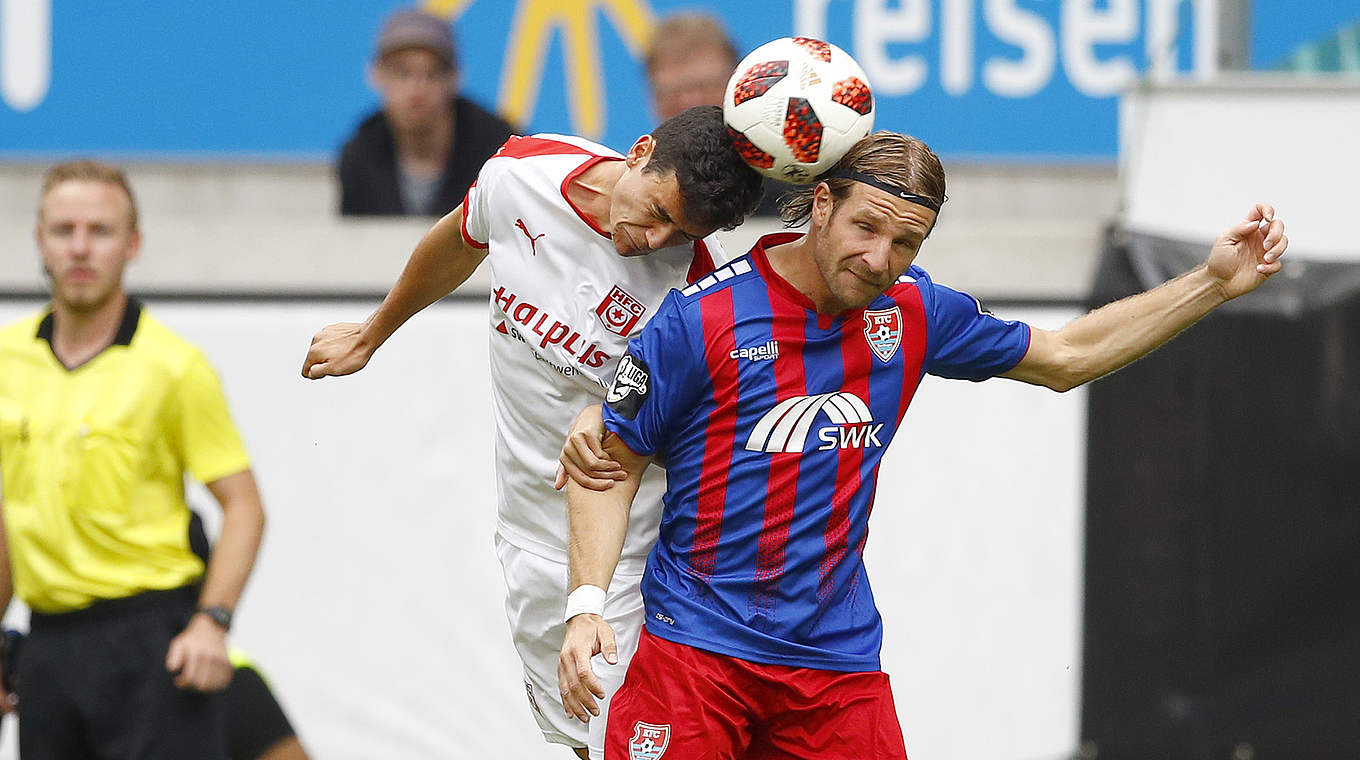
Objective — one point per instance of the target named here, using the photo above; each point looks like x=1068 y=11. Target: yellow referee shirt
x=93 y=461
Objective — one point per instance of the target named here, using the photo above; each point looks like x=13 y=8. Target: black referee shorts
x=255 y=721
x=93 y=684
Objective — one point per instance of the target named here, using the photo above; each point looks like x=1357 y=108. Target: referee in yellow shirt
x=102 y=411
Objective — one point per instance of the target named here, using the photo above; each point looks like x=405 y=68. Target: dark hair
x=88 y=170
x=897 y=159
x=717 y=186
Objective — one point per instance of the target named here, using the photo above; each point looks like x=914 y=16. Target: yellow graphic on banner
x=531 y=34
x=449 y=9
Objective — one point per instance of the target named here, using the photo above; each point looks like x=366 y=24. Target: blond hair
x=896 y=159
x=89 y=170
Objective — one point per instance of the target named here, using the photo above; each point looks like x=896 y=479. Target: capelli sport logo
x=767 y=351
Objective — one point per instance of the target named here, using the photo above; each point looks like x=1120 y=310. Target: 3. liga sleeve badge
x=630 y=388
x=619 y=312
x=883 y=331
x=649 y=741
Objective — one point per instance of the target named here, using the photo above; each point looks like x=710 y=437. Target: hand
x=339 y=349
x=587 y=636
x=198 y=656
x=583 y=456
x=1249 y=252
x=8 y=702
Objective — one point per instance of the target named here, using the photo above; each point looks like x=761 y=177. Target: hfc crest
x=649 y=741
x=619 y=312
x=883 y=330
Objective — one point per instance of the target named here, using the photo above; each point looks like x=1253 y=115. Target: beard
x=84 y=298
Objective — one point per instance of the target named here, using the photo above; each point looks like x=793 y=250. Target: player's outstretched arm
x=1244 y=256
x=583 y=457
x=441 y=261
x=598 y=522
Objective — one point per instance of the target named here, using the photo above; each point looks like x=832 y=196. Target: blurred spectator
x=1337 y=52
x=689 y=61
x=419 y=153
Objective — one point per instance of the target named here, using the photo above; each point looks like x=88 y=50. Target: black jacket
x=368 y=162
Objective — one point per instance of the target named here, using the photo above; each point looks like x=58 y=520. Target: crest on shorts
x=619 y=311
x=649 y=741
x=883 y=330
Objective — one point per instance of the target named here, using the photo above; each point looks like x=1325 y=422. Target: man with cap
x=418 y=154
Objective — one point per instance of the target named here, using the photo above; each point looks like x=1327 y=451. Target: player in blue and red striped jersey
x=770 y=390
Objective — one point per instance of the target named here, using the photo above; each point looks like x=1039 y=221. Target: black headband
x=873 y=181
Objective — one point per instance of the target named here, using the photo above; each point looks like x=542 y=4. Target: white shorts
x=535 y=600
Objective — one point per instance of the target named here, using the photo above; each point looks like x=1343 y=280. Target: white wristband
x=585 y=600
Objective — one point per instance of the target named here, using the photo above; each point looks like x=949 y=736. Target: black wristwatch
x=219 y=615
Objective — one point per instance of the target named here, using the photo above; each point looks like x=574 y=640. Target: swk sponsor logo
x=549 y=331
x=787 y=427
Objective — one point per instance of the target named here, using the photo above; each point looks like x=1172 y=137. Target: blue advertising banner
x=1019 y=80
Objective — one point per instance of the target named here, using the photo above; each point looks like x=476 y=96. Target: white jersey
x=563 y=305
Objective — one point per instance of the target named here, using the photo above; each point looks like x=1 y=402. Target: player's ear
x=822 y=203
x=641 y=150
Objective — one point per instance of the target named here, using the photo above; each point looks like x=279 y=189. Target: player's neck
x=592 y=191
x=793 y=262
x=79 y=334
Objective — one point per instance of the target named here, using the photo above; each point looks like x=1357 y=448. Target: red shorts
x=688 y=704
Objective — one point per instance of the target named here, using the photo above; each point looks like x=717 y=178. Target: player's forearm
x=441 y=262
x=598 y=525
x=1119 y=333
x=598 y=520
x=233 y=555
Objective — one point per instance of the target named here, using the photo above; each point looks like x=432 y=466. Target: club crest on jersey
x=883 y=330
x=619 y=312
x=631 y=381
x=649 y=741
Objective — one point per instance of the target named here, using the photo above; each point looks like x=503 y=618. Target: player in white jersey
x=584 y=244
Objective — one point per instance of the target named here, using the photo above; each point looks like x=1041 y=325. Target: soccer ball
x=794 y=106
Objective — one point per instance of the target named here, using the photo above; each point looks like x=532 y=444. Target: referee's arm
x=6 y=595
x=198 y=655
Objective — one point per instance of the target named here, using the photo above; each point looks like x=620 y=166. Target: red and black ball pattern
x=758 y=80
x=853 y=93
x=802 y=131
x=814 y=48
x=749 y=152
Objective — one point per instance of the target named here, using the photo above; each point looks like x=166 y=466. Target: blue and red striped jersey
x=771 y=420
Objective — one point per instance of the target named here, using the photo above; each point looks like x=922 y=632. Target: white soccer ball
x=795 y=105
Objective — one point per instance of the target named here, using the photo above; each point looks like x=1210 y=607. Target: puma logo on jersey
x=533 y=244
x=787 y=427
